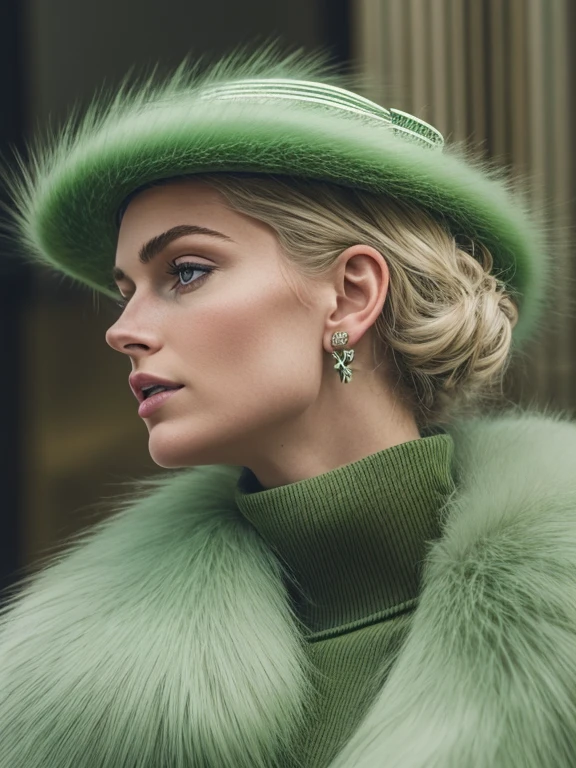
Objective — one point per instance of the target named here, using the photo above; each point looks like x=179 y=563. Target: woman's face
x=247 y=350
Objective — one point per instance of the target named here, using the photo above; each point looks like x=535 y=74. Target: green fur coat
x=163 y=637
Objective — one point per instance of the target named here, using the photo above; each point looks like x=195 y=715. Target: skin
x=253 y=352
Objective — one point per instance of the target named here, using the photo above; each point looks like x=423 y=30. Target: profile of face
x=228 y=327
x=258 y=387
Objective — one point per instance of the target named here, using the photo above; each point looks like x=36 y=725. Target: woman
x=375 y=574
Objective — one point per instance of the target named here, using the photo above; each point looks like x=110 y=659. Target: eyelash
x=178 y=269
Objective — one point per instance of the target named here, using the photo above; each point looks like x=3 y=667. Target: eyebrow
x=157 y=244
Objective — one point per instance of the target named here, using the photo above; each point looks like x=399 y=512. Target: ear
x=360 y=281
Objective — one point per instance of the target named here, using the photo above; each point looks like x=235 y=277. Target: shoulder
x=517 y=442
x=516 y=496
x=493 y=636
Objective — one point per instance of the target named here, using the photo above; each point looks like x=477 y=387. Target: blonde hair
x=445 y=329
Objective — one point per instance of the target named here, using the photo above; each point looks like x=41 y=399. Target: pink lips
x=153 y=402
x=138 y=381
x=141 y=380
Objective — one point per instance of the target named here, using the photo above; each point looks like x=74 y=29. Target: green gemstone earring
x=340 y=339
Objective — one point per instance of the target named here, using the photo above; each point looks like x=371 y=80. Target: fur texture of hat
x=67 y=193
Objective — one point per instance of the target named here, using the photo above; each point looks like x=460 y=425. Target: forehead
x=181 y=203
x=177 y=194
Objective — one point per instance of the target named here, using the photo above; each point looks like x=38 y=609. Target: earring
x=340 y=339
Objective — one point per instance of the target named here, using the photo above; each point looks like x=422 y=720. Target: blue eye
x=180 y=269
x=185 y=273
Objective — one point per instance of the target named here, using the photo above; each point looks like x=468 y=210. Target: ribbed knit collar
x=353 y=540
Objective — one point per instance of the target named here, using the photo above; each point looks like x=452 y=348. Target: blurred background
x=495 y=74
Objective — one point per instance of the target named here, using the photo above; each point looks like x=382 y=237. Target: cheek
x=253 y=367
x=256 y=344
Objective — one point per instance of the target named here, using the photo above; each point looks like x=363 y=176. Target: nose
x=129 y=336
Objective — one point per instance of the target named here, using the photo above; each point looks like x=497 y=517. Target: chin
x=171 y=450
x=167 y=464
x=166 y=451
x=166 y=461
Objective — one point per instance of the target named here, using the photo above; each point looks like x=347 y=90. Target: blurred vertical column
x=14 y=293
x=494 y=76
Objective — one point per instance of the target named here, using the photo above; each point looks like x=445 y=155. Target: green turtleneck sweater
x=353 y=542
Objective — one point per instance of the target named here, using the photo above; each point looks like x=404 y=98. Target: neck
x=353 y=540
x=346 y=423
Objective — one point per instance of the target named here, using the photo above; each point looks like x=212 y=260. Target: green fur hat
x=272 y=114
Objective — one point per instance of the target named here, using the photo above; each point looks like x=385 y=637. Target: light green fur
x=67 y=194
x=163 y=638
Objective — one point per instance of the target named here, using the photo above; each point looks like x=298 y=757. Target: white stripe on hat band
x=330 y=96
x=328 y=91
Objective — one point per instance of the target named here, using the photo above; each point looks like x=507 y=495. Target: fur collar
x=163 y=635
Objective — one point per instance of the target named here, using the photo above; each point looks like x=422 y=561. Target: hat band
x=402 y=123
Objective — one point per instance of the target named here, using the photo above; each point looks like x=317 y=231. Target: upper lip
x=139 y=380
